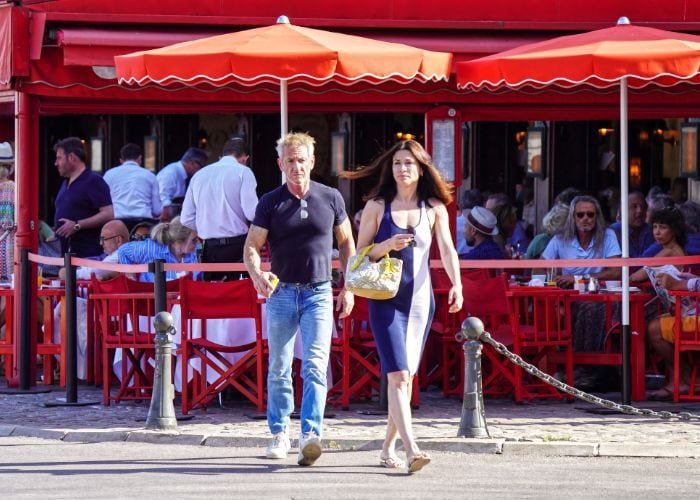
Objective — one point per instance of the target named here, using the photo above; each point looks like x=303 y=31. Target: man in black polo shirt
x=298 y=219
x=83 y=203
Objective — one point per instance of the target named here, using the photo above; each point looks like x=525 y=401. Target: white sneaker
x=309 y=448
x=279 y=446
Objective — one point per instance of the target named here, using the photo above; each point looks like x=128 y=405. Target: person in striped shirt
x=170 y=241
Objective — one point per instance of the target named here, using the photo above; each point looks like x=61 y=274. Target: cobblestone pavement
x=555 y=427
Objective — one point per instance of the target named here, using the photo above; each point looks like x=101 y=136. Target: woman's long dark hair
x=430 y=184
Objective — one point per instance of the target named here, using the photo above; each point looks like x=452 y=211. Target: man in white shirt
x=219 y=205
x=134 y=189
x=172 y=180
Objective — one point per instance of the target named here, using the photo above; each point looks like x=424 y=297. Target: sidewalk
x=543 y=428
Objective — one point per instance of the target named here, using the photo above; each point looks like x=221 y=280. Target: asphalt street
x=37 y=468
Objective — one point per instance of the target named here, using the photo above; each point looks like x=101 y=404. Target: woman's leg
x=665 y=350
x=400 y=411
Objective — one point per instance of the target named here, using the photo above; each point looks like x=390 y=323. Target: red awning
x=97 y=47
x=5 y=46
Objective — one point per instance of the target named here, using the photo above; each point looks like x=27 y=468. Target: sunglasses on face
x=103 y=239
x=304 y=209
x=581 y=215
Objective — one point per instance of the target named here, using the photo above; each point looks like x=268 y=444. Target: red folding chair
x=485 y=298
x=201 y=300
x=99 y=323
x=125 y=324
x=354 y=354
x=7 y=345
x=50 y=350
x=686 y=344
x=444 y=324
x=541 y=320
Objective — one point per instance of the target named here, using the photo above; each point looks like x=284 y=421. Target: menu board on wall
x=443 y=141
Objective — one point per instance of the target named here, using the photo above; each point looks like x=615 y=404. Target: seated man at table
x=585 y=237
x=479 y=230
x=113 y=235
x=640 y=235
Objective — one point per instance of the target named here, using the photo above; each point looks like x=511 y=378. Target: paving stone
x=541 y=428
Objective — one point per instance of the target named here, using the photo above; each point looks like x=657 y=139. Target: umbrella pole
x=284 y=126
x=284 y=122
x=624 y=192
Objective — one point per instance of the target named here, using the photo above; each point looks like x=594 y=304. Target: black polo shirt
x=301 y=248
x=80 y=200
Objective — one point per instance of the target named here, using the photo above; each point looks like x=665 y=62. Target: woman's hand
x=399 y=241
x=455 y=299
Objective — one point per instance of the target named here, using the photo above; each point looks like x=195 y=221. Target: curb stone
x=551 y=449
x=95 y=436
x=236 y=441
x=6 y=430
x=463 y=445
x=23 y=431
x=660 y=450
x=156 y=437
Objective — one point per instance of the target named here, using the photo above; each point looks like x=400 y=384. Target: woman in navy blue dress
x=402 y=215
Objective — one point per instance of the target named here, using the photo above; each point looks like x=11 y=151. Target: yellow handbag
x=373 y=280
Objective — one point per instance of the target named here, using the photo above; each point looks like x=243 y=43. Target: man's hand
x=670 y=283
x=565 y=280
x=265 y=283
x=66 y=229
x=345 y=303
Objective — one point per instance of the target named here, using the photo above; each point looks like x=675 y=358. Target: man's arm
x=346 y=249
x=249 y=197
x=103 y=215
x=257 y=236
x=156 y=204
x=188 y=215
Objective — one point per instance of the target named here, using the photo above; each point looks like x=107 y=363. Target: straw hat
x=6 y=156
x=483 y=220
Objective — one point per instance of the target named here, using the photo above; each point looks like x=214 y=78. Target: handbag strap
x=364 y=253
x=392 y=268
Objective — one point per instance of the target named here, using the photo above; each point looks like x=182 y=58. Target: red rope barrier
x=435 y=263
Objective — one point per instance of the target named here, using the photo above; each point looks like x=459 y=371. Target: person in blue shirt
x=170 y=241
x=479 y=230
x=470 y=198
x=640 y=234
x=584 y=237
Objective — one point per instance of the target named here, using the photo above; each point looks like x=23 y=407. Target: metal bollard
x=473 y=421
x=161 y=414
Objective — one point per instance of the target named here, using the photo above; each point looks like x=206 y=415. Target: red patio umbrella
x=284 y=54
x=623 y=56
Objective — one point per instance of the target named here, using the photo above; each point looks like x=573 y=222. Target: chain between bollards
x=473 y=423
x=161 y=414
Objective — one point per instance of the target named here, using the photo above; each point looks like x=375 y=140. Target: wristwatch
x=76 y=227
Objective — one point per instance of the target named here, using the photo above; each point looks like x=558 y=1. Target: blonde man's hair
x=170 y=232
x=295 y=139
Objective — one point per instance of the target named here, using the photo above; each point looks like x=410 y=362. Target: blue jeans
x=310 y=308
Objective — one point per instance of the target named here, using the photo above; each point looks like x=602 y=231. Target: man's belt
x=217 y=242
